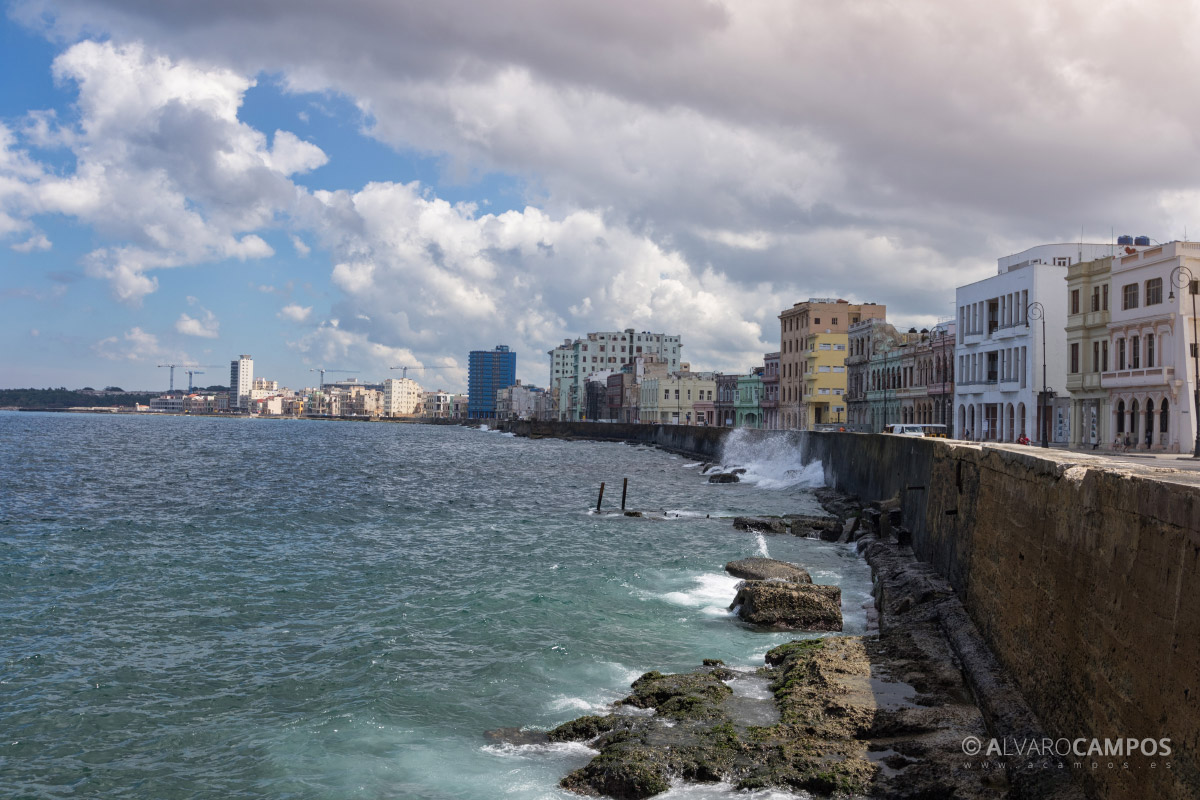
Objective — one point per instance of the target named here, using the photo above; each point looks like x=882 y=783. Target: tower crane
x=190 y=369
x=322 y=370
x=404 y=370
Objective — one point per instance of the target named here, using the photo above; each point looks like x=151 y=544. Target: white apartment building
x=598 y=355
x=1001 y=347
x=402 y=397
x=241 y=383
x=437 y=404
x=1151 y=371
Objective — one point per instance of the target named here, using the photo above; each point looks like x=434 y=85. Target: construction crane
x=323 y=371
x=404 y=370
x=172 y=366
x=190 y=369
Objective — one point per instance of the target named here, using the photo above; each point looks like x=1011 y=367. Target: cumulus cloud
x=205 y=325
x=295 y=312
x=134 y=345
x=36 y=242
x=163 y=166
x=691 y=167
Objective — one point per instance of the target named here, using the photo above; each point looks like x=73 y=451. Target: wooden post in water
x=624 y=489
x=601 y=497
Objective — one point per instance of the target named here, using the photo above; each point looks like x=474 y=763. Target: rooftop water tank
x=1142 y=241
x=1124 y=240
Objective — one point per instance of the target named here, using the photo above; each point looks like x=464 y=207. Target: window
x=1096 y=299
x=1135 y=352
x=816 y=320
x=1104 y=356
x=666 y=394
x=839 y=347
x=1062 y=261
x=834 y=321
x=1150 y=345
x=1104 y=297
x=1120 y=354
x=1074 y=301
x=1129 y=296
x=1074 y=357
x=1153 y=292
x=1095 y=356
x=824 y=346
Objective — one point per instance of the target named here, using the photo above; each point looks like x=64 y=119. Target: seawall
x=1082 y=576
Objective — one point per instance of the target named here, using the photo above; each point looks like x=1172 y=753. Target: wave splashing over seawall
x=771 y=462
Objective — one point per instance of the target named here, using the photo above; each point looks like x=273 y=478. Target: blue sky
x=362 y=185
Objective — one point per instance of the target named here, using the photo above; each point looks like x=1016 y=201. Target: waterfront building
x=402 y=397
x=812 y=368
x=168 y=403
x=488 y=371
x=670 y=398
x=1003 y=350
x=437 y=404
x=598 y=355
x=1089 y=287
x=518 y=401
x=206 y=403
x=869 y=341
x=747 y=404
x=770 y=392
x=241 y=383
x=1151 y=375
x=459 y=405
x=725 y=405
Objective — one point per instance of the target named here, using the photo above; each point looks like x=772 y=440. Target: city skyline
x=375 y=187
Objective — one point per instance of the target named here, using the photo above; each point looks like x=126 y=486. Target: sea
x=197 y=607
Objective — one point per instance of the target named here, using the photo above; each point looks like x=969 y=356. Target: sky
x=367 y=184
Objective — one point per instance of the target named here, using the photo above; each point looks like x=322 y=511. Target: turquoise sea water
x=229 y=608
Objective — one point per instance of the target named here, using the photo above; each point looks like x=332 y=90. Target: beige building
x=1088 y=292
x=812 y=359
x=402 y=397
x=671 y=398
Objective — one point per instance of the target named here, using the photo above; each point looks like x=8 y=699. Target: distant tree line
x=68 y=398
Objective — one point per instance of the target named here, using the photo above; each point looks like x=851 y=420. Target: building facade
x=812 y=363
x=770 y=392
x=748 y=401
x=402 y=397
x=1010 y=354
x=241 y=383
x=671 y=398
x=598 y=355
x=1151 y=375
x=1089 y=288
x=488 y=371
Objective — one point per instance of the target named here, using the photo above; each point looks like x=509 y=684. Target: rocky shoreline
x=883 y=715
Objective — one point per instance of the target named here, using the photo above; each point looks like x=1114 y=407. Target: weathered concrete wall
x=1083 y=579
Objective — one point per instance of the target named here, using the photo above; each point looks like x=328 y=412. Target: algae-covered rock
x=790 y=606
x=761 y=524
x=723 y=477
x=766 y=569
x=803 y=524
x=690 y=696
x=584 y=729
x=627 y=770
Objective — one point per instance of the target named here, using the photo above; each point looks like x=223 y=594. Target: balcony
x=1125 y=378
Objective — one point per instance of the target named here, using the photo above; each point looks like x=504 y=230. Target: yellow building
x=812 y=360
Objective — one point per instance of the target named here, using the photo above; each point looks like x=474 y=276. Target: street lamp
x=1036 y=310
x=1180 y=277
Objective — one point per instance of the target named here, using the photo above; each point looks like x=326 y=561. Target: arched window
x=1163 y=416
x=1121 y=416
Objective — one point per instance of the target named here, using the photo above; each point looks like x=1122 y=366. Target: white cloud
x=295 y=312
x=134 y=345
x=164 y=167
x=300 y=247
x=205 y=326
x=36 y=242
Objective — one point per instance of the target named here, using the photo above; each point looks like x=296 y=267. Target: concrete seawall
x=1083 y=577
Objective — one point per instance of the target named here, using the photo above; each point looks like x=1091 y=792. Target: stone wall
x=1083 y=579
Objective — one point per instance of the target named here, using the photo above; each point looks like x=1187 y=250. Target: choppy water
x=228 y=608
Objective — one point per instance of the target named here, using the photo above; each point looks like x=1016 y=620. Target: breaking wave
x=771 y=463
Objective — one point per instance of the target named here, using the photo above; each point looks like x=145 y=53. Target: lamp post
x=1036 y=310
x=1180 y=277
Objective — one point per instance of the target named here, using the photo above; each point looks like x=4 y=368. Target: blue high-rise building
x=488 y=371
